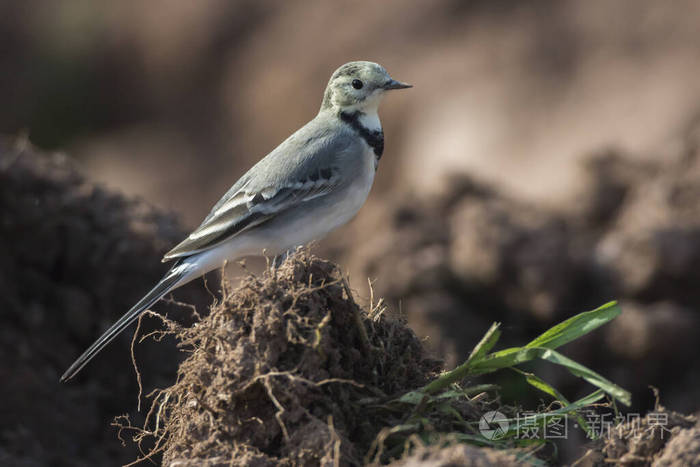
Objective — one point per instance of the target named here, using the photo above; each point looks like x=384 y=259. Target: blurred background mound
x=459 y=260
x=158 y=96
x=73 y=258
x=545 y=162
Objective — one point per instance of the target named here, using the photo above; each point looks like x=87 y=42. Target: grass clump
x=287 y=369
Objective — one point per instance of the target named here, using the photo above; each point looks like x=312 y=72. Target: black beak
x=393 y=84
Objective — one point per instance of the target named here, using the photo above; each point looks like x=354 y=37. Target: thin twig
x=133 y=361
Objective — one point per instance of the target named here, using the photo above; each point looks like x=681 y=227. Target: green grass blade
x=480 y=362
x=547 y=388
x=576 y=326
x=485 y=344
x=592 y=398
x=589 y=375
x=516 y=356
x=474 y=439
x=542 y=385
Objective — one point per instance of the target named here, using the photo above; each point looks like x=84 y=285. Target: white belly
x=335 y=215
x=299 y=230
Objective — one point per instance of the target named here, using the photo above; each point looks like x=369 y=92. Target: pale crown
x=358 y=86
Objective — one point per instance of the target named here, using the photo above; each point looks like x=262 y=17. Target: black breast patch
x=375 y=139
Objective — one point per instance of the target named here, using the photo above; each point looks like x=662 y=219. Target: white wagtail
x=310 y=184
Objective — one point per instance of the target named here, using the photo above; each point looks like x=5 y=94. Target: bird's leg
x=279 y=259
x=275 y=262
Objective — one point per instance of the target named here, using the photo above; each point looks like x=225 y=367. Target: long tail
x=171 y=280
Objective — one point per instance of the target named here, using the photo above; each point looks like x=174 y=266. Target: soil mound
x=462 y=455
x=661 y=438
x=280 y=373
x=73 y=258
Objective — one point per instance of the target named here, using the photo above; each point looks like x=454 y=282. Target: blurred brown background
x=172 y=100
x=573 y=124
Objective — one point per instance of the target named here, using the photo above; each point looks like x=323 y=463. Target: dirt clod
x=683 y=449
x=458 y=455
x=278 y=370
x=661 y=438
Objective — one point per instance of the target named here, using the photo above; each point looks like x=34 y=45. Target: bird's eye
x=357 y=84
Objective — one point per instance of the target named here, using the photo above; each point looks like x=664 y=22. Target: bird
x=313 y=182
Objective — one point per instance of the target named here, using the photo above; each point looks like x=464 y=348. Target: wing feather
x=244 y=210
x=304 y=167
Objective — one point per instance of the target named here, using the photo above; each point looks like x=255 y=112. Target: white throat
x=369 y=112
x=370 y=120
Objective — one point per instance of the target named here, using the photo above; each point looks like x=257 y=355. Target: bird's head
x=358 y=86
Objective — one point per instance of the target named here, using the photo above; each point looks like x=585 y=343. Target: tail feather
x=168 y=283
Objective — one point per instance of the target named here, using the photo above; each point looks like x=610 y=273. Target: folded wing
x=245 y=209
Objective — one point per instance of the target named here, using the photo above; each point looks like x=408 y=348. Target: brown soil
x=456 y=261
x=662 y=438
x=288 y=370
x=73 y=257
x=457 y=455
x=285 y=370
